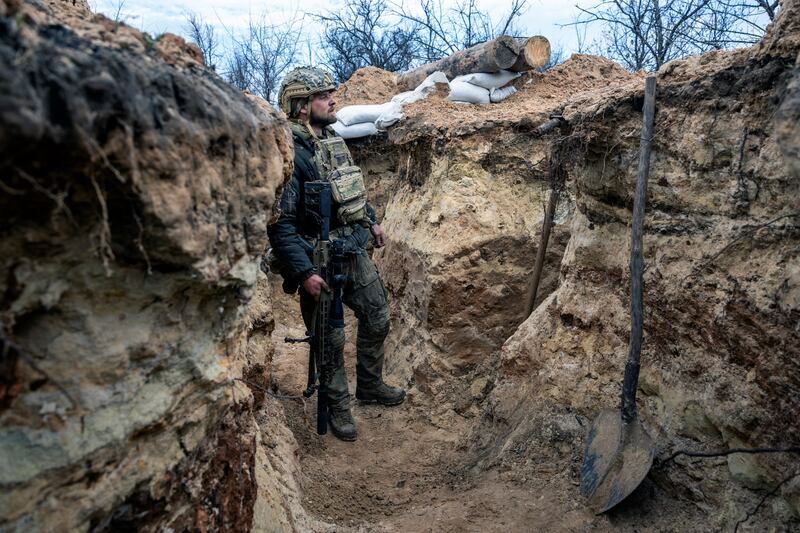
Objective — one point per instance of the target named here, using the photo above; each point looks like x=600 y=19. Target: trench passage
x=406 y=470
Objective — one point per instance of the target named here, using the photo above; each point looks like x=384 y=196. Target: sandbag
x=489 y=80
x=355 y=130
x=391 y=114
x=388 y=119
x=402 y=98
x=361 y=120
x=356 y=114
x=427 y=86
x=461 y=91
x=501 y=93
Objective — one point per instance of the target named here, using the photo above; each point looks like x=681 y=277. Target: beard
x=322 y=121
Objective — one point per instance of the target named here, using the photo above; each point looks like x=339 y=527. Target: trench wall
x=464 y=209
x=137 y=187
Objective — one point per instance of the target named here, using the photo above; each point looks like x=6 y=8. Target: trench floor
x=409 y=469
x=406 y=470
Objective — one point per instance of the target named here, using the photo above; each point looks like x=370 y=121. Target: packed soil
x=403 y=472
x=368 y=85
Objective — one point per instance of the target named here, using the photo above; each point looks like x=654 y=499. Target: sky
x=543 y=17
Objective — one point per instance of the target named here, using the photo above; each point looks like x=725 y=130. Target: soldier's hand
x=379 y=237
x=314 y=285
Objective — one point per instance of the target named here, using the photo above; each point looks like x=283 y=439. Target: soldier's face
x=323 y=109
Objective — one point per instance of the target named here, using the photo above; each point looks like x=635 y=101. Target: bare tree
x=582 y=47
x=268 y=50
x=257 y=59
x=753 y=8
x=747 y=19
x=204 y=36
x=645 y=34
x=120 y=5
x=362 y=34
x=117 y=11
x=238 y=70
x=445 y=30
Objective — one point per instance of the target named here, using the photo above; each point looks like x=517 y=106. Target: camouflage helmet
x=302 y=82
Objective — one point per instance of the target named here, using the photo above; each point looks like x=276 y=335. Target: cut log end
x=534 y=53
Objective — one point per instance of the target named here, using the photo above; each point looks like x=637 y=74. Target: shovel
x=619 y=452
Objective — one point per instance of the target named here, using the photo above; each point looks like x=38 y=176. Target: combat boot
x=381 y=393
x=342 y=424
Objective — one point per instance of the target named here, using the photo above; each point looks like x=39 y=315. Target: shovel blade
x=616 y=459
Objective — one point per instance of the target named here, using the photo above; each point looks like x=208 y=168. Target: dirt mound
x=783 y=33
x=369 y=85
x=134 y=218
x=99 y=30
x=539 y=94
x=579 y=73
x=55 y=11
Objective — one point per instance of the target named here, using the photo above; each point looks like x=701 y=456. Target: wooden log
x=534 y=52
x=491 y=56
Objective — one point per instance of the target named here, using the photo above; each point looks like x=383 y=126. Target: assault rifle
x=329 y=259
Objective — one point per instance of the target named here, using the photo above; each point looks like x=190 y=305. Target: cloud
x=543 y=17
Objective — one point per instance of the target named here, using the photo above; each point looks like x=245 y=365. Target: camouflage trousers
x=366 y=295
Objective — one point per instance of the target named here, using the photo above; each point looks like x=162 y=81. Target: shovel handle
x=631 y=379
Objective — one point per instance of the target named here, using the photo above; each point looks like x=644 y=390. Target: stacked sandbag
x=360 y=120
x=355 y=121
x=423 y=89
x=355 y=131
x=482 y=87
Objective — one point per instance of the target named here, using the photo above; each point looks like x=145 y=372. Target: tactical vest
x=334 y=163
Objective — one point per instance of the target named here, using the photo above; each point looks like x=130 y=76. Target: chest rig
x=335 y=164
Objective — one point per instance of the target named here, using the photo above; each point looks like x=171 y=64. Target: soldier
x=307 y=99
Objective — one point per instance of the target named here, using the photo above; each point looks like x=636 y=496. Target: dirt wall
x=465 y=198
x=135 y=201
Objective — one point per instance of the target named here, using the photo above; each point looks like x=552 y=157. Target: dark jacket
x=291 y=234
